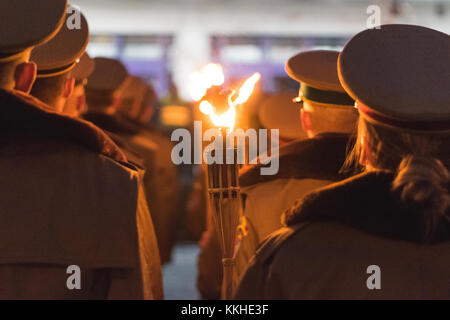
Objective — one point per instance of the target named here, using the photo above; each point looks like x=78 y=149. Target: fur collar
x=366 y=202
x=318 y=158
x=23 y=115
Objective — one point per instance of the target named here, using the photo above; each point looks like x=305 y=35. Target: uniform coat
x=143 y=152
x=69 y=198
x=166 y=184
x=334 y=234
x=304 y=165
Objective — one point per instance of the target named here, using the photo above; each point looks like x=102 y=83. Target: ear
x=365 y=152
x=147 y=115
x=24 y=76
x=81 y=104
x=116 y=101
x=306 y=121
x=69 y=84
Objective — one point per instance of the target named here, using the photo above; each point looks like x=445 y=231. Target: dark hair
x=99 y=99
x=49 y=89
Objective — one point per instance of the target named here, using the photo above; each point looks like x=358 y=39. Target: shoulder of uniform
x=347 y=198
x=125 y=171
x=24 y=115
x=159 y=137
x=323 y=203
x=145 y=142
x=367 y=202
x=95 y=192
x=57 y=151
x=317 y=158
x=274 y=241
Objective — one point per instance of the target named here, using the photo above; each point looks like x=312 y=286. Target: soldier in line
x=76 y=103
x=103 y=96
x=76 y=182
x=137 y=109
x=110 y=89
x=329 y=118
x=55 y=60
x=104 y=93
x=392 y=220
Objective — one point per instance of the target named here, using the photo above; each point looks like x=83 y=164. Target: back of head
x=148 y=105
x=50 y=89
x=133 y=97
x=104 y=85
x=404 y=130
x=322 y=118
x=76 y=103
x=278 y=111
x=100 y=101
x=57 y=58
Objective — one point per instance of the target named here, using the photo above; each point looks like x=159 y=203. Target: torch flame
x=197 y=86
x=214 y=74
x=210 y=75
x=247 y=89
x=224 y=120
x=206 y=107
x=228 y=118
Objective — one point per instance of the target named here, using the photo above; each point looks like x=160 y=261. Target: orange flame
x=247 y=89
x=224 y=120
x=210 y=75
x=228 y=118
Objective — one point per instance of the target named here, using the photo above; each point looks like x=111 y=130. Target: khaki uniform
x=165 y=175
x=140 y=151
x=70 y=199
x=305 y=165
x=334 y=234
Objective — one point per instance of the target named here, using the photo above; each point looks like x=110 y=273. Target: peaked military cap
x=400 y=76
x=63 y=52
x=84 y=68
x=317 y=72
x=28 y=23
x=109 y=75
x=133 y=88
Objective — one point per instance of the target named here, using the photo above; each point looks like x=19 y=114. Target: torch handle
x=228 y=278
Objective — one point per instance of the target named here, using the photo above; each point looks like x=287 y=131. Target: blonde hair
x=417 y=160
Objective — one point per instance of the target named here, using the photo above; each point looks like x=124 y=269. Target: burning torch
x=223 y=178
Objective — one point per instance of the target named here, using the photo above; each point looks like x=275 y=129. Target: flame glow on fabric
x=223 y=181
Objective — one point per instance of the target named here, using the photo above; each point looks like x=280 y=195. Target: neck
x=54 y=103
x=108 y=110
x=7 y=86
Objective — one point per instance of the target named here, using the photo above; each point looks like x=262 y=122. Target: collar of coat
x=110 y=123
x=366 y=202
x=318 y=158
x=23 y=115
